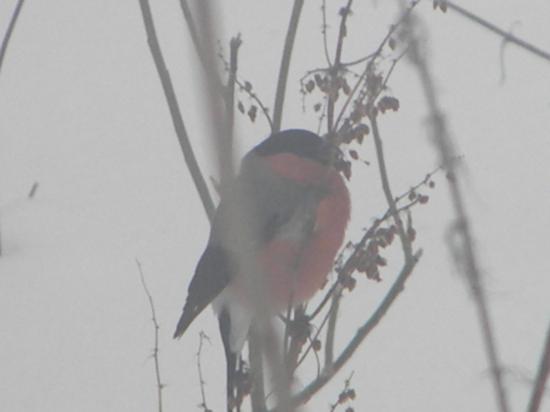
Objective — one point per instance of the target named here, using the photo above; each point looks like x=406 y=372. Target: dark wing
x=267 y=203
x=212 y=275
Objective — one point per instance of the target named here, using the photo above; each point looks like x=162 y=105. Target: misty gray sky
x=82 y=113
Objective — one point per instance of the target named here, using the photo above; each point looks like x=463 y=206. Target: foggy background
x=83 y=114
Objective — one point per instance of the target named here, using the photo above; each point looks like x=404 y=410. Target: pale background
x=82 y=112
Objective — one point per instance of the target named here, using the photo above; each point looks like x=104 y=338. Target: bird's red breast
x=297 y=269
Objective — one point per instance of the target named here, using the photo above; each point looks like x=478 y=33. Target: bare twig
x=345 y=395
x=503 y=33
x=33 y=190
x=218 y=118
x=405 y=242
x=199 y=47
x=466 y=249
x=202 y=337
x=175 y=112
x=257 y=395
x=234 y=45
x=9 y=31
x=160 y=386
x=256 y=98
x=324 y=32
x=331 y=328
x=399 y=284
x=333 y=90
x=285 y=64
x=542 y=377
x=372 y=59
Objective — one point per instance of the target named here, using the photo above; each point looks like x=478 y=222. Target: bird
x=292 y=206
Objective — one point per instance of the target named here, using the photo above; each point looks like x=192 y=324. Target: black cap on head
x=300 y=142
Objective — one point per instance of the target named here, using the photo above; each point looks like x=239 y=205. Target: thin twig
x=324 y=32
x=33 y=190
x=345 y=394
x=257 y=394
x=331 y=328
x=334 y=69
x=542 y=377
x=199 y=48
x=503 y=33
x=202 y=337
x=177 y=120
x=234 y=45
x=257 y=99
x=372 y=59
x=160 y=386
x=9 y=31
x=466 y=250
x=399 y=284
x=218 y=119
x=285 y=64
x=405 y=242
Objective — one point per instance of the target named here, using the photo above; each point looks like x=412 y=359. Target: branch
x=202 y=337
x=405 y=242
x=160 y=386
x=285 y=64
x=324 y=32
x=9 y=31
x=234 y=45
x=257 y=394
x=542 y=376
x=333 y=89
x=507 y=36
x=188 y=16
x=372 y=59
x=399 y=284
x=466 y=250
x=175 y=112
x=255 y=97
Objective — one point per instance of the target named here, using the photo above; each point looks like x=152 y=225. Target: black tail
x=190 y=312
x=211 y=277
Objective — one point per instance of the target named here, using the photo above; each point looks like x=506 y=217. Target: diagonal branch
x=398 y=286
x=285 y=64
x=9 y=31
x=542 y=377
x=466 y=250
x=175 y=112
x=504 y=34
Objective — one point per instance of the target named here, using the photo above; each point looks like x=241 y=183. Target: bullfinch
x=299 y=206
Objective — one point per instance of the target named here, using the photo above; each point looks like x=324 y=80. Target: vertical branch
x=218 y=118
x=331 y=328
x=234 y=45
x=188 y=16
x=240 y=227
x=324 y=32
x=405 y=242
x=9 y=31
x=333 y=88
x=160 y=386
x=466 y=250
x=542 y=377
x=202 y=338
x=175 y=112
x=285 y=64
x=332 y=93
x=257 y=395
